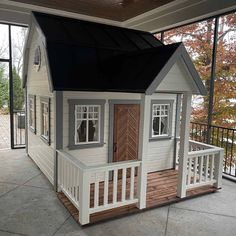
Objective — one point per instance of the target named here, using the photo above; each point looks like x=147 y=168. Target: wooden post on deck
x=143 y=148
x=184 y=144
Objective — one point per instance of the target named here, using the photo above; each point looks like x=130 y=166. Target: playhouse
x=108 y=112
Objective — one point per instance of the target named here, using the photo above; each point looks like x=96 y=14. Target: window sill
x=160 y=138
x=32 y=129
x=45 y=140
x=84 y=146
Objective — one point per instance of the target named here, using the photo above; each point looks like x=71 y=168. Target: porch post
x=84 y=197
x=184 y=144
x=143 y=147
x=219 y=168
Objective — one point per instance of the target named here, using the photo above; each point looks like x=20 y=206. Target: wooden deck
x=161 y=190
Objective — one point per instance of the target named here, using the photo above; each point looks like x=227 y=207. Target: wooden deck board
x=161 y=190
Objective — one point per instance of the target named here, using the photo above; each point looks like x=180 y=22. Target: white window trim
x=72 y=123
x=45 y=100
x=33 y=99
x=170 y=117
x=160 y=116
x=87 y=126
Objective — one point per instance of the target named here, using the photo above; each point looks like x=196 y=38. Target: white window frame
x=87 y=119
x=73 y=105
x=32 y=98
x=44 y=116
x=167 y=113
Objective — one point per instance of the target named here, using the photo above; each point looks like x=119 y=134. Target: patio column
x=184 y=144
x=143 y=148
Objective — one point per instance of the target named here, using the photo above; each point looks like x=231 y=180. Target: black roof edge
x=90 y=22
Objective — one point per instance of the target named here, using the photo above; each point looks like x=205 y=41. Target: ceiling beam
x=178 y=13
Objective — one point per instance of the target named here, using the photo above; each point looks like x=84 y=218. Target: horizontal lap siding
x=38 y=85
x=97 y=155
x=177 y=79
x=161 y=152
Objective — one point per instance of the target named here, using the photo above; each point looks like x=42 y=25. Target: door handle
x=114 y=147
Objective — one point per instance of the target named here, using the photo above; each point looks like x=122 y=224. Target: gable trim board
x=117 y=72
x=180 y=53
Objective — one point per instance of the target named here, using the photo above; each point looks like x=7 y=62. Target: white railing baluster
x=114 y=186
x=106 y=188
x=212 y=166
x=200 y=168
x=123 y=184
x=189 y=171
x=206 y=167
x=195 y=169
x=132 y=173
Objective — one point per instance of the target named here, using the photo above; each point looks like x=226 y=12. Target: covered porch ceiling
x=147 y=15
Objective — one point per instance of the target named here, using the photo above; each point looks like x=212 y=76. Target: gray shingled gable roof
x=85 y=56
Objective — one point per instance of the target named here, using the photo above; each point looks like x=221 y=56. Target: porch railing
x=220 y=137
x=93 y=189
x=204 y=164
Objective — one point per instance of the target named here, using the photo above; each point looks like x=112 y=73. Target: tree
x=4 y=95
x=198 y=40
x=18 y=93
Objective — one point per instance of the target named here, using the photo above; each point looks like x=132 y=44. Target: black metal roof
x=86 y=56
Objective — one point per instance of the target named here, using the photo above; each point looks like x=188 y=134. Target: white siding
x=37 y=84
x=98 y=155
x=178 y=79
x=161 y=152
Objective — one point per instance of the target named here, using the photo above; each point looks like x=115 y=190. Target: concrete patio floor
x=29 y=206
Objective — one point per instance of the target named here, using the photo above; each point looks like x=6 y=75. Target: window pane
x=93 y=131
x=81 y=131
x=18 y=37
x=4 y=87
x=155 y=126
x=164 y=125
x=4 y=41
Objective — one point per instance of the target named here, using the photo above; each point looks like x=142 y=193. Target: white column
x=143 y=148
x=219 y=168
x=84 y=196
x=184 y=144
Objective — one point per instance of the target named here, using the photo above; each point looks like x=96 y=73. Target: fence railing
x=220 y=137
x=204 y=167
x=93 y=189
x=204 y=164
x=19 y=128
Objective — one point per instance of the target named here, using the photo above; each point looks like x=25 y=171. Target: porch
x=95 y=193
x=161 y=190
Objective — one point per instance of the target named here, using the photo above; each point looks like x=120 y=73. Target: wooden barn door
x=126 y=132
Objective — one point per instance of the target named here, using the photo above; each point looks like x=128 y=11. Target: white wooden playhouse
x=108 y=112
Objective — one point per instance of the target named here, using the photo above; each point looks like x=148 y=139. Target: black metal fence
x=19 y=128
x=221 y=137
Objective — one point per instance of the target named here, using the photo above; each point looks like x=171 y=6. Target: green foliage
x=4 y=94
x=18 y=93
